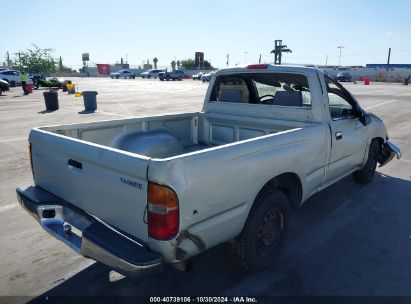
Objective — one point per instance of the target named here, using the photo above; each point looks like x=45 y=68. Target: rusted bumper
x=388 y=152
x=88 y=235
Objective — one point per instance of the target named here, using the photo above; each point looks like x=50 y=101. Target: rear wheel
x=264 y=232
x=366 y=174
x=117 y=77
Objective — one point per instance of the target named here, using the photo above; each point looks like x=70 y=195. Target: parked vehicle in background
x=173 y=75
x=146 y=191
x=207 y=77
x=4 y=86
x=48 y=83
x=11 y=76
x=151 y=74
x=123 y=74
x=197 y=76
x=344 y=77
x=35 y=79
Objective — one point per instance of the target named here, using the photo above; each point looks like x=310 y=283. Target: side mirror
x=364 y=117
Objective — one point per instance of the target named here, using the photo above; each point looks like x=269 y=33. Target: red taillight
x=257 y=66
x=31 y=159
x=163 y=213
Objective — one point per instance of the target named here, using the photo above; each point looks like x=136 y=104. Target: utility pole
x=259 y=60
x=228 y=59
x=389 y=56
x=279 y=48
x=8 y=60
x=339 y=58
x=245 y=54
x=326 y=61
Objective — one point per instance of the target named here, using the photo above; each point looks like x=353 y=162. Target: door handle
x=75 y=164
x=338 y=135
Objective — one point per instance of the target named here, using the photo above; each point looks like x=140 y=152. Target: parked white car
x=123 y=74
x=11 y=76
x=207 y=77
x=151 y=74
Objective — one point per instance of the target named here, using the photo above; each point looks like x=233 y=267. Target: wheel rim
x=269 y=231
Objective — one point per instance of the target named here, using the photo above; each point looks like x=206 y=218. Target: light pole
x=245 y=54
x=339 y=58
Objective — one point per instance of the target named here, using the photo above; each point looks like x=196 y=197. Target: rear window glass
x=280 y=89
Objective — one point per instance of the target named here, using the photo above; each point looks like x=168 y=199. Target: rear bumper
x=88 y=235
x=389 y=150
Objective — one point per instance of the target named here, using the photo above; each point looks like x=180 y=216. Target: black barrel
x=51 y=100
x=90 y=100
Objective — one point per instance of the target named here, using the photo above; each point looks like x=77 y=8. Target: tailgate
x=104 y=182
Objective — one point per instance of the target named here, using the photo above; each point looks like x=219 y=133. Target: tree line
x=41 y=60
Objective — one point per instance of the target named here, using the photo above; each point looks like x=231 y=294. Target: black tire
x=149 y=76
x=12 y=83
x=264 y=232
x=1 y=91
x=366 y=174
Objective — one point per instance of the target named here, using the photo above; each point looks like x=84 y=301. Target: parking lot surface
x=349 y=239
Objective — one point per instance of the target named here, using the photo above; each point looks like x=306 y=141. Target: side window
x=278 y=89
x=340 y=106
x=265 y=90
x=232 y=89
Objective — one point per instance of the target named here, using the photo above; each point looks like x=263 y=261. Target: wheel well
x=381 y=140
x=290 y=184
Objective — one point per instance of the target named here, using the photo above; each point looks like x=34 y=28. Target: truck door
x=348 y=134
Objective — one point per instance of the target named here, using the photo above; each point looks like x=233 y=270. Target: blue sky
x=171 y=30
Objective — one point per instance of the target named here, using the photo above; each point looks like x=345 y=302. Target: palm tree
x=178 y=64
x=60 y=65
x=155 y=60
x=173 y=64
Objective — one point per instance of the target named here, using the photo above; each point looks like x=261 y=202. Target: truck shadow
x=311 y=258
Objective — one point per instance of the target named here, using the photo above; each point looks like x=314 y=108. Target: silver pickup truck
x=137 y=193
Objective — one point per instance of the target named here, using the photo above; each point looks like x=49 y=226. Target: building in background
x=199 y=60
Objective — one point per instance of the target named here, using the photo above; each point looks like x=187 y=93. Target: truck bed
x=104 y=167
x=178 y=134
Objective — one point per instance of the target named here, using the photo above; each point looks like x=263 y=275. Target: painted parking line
x=114 y=114
x=12 y=139
x=8 y=207
x=381 y=104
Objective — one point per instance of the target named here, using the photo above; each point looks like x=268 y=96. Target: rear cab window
x=278 y=89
